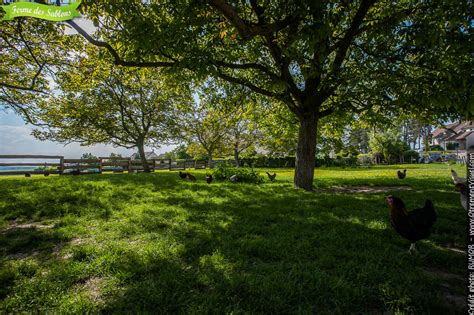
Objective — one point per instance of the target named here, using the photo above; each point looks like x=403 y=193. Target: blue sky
x=16 y=138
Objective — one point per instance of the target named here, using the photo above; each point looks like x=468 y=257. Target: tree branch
x=350 y=34
x=117 y=59
x=247 y=66
x=246 y=30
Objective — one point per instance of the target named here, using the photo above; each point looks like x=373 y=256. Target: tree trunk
x=236 y=157
x=306 y=152
x=209 y=159
x=141 y=151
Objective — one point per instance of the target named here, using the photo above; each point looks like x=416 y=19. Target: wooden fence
x=63 y=166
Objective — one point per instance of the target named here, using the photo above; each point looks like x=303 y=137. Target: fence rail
x=65 y=166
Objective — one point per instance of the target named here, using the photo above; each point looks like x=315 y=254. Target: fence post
x=129 y=165
x=61 y=167
x=100 y=165
x=185 y=164
x=169 y=160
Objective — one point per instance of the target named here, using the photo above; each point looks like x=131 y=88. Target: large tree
x=318 y=57
x=32 y=51
x=130 y=108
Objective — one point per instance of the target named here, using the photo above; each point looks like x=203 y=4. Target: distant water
x=17 y=168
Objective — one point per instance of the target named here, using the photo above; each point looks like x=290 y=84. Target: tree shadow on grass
x=253 y=248
x=287 y=253
x=26 y=246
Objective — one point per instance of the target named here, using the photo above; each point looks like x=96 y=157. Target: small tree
x=389 y=144
x=205 y=126
x=88 y=156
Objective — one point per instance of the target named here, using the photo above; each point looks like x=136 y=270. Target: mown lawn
x=154 y=243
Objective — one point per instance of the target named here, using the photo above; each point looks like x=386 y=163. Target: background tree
x=88 y=156
x=242 y=134
x=389 y=144
x=203 y=127
x=124 y=107
x=279 y=129
x=178 y=153
x=115 y=155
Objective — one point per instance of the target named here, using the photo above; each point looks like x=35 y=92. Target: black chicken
x=414 y=225
x=271 y=177
x=27 y=175
x=402 y=175
x=46 y=174
x=190 y=177
x=208 y=179
x=182 y=175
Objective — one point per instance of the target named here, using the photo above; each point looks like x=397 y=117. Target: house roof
x=148 y=155
x=463 y=135
x=452 y=130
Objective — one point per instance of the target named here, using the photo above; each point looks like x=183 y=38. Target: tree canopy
x=120 y=106
x=319 y=58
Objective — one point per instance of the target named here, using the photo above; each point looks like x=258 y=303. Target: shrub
x=436 y=148
x=364 y=159
x=411 y=154
x=245 y=174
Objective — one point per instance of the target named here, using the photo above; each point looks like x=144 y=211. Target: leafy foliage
x=245 y=175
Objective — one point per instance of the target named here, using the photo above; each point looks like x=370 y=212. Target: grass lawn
x=155 y=243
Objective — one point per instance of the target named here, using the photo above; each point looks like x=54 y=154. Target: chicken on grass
x=182 y=175
x=402 y=175
x=208 y=179
x=456 y=179
x=271 y=177
x=191 y=177
x=413 y=225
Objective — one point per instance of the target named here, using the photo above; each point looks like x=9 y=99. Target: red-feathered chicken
x=414 y=225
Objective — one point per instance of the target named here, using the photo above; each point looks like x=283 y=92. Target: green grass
x=153 y=243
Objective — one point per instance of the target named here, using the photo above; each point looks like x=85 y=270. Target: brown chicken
x=190 y=177
x=414 y=225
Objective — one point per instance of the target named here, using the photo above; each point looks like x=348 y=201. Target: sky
x=16 y=138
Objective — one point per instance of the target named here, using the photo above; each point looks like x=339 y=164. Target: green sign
x=41 y=11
